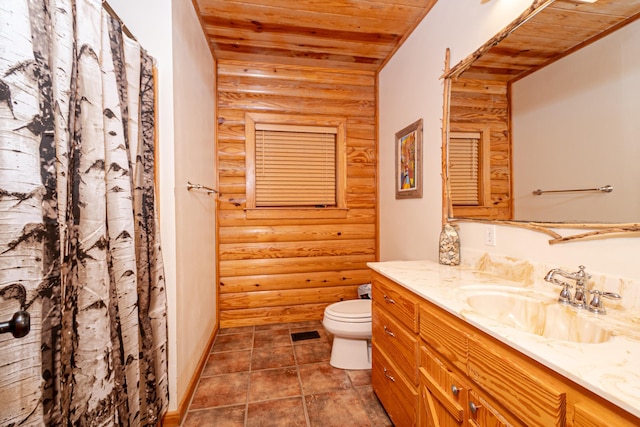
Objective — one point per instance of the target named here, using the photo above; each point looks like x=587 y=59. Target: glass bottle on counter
x=449 y=245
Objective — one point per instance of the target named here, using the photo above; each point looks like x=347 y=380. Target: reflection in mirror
x=575 y=125
x=558 y=102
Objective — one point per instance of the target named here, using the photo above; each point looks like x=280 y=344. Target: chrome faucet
x=579 y=298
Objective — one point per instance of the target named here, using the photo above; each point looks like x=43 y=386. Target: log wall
x=477 y=104
x=280 y=270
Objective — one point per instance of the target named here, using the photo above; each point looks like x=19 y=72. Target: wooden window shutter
x=465 y=168
x=295 y=165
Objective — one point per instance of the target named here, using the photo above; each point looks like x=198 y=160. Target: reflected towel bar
x=605 y=189
x=209 y=190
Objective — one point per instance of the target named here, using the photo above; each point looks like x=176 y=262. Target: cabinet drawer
x=394 y=339
x=397 y=395
x=397 y=301
x=443 y=336
x=585 y=417
x=520 y=391
x=594 y=414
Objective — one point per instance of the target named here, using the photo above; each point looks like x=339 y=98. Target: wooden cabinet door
x=443 y=394
x=481 y=414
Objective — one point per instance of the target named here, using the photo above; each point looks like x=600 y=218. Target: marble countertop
x=610 y=369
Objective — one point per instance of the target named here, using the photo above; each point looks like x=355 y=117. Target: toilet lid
x=351 y=309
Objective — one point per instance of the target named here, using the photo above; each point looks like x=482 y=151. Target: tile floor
x=257 y=376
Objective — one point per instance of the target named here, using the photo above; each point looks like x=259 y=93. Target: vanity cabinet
x=431 y=368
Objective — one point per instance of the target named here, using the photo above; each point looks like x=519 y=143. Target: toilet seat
x=352 y=311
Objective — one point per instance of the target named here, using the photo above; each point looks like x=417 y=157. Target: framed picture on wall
x=409 y=162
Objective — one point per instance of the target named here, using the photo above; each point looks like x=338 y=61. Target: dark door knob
x=19 y=325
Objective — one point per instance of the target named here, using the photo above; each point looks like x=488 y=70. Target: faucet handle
x=565 y=293
x=596 y=305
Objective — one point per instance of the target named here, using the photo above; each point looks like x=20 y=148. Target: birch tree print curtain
x=79 y=242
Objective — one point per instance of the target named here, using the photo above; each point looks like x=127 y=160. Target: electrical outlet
x=489 y=235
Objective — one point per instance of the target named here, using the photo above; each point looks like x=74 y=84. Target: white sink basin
x=517 y=308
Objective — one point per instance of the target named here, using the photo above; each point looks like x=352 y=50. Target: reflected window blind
x=295 y=167
x=464 y=168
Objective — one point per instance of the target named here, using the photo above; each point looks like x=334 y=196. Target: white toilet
x=350 y=323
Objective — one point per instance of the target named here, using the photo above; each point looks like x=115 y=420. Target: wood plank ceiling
x=557 y=30
x=345 y=34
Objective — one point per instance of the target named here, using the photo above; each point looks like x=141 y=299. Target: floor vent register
x=301 y=336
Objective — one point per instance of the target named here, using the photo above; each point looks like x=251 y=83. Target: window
x=295 y=163
x=469 y=177
x=295 y=166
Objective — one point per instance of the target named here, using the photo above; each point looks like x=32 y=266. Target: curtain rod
x=114 y=15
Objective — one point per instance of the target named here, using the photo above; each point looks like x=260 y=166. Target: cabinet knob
x=388 y=300
x=473 y=408
x=455 y=390
x=390 y=377
x=388 y=332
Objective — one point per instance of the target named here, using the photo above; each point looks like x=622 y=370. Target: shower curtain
x=79 y=238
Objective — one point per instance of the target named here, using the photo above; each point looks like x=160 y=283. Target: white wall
x=575 y=125
x=194 y=112
x=410 y=88
x=172 y=34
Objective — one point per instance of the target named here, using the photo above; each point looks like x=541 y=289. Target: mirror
x=556 y=94
x=575 y=126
